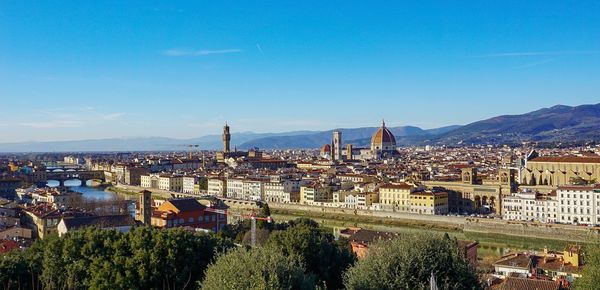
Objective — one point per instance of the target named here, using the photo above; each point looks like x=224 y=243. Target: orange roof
x=383 y=135
x=397 y=186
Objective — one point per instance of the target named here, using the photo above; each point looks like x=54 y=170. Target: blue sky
x=95 y=69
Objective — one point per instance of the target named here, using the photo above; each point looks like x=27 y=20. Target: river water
x=92 y=193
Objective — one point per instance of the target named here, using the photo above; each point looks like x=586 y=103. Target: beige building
x=285 y=191
x=395 y=196
x=149 y=180
x=360 y=200
x=476 y=194
x=315 y=195
x=171 y=183
x=556 y=171
x=428 y=202
x=217 y=186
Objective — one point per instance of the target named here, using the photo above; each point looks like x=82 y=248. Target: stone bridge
x=41 y=178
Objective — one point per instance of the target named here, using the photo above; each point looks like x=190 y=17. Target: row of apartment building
x=400 y=197
x=568 y=204
x=171 y=182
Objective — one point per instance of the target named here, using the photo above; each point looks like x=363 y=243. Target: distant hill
x=208 y=142
x=356 y=136
x=558 y=123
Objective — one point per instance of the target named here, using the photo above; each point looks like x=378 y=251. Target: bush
x=258 y=268
x=408 y=262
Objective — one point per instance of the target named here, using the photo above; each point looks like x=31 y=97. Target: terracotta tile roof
x=397 y=186
x=512 y=283
x=186 y=204
x=515 y=261
x=7 y=246
x=368 y=236
x=556 y=264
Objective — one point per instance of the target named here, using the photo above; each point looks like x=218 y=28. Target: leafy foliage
x=590 y=277
x=408 y=262
x=259 y=268
x=144 y=258
x=317 y=249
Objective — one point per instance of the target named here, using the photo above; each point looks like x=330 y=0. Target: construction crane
x=252 y=216
x=190 y=146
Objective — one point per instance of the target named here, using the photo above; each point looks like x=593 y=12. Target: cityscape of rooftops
x=300 y=145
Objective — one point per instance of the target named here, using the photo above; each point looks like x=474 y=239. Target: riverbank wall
x=570 y=233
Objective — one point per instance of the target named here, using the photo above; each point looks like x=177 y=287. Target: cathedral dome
x=383 y=140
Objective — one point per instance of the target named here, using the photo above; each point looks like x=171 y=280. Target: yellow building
x=395 y=196
x=13 y=166
x=428 y=202
x=315 y=194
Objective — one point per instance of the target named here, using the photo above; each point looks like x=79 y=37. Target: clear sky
x=95 y=69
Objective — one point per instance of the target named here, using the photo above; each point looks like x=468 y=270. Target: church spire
x=383 y=123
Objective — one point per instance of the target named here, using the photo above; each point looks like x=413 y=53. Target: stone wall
x=479 y=225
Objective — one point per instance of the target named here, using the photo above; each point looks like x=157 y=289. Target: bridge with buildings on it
x=41 y=177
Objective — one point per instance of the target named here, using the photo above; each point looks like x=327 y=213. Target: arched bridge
x=83 y=175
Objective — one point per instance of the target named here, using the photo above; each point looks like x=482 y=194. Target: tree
x=590 y=277
x=257 y=268
x=203 y=183
x=144 y=258
x=264 y=212
x=408 y=262
x=13 y=271
x=317 y=248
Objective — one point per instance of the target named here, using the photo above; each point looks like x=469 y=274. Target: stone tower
x=226 y=138
x=336 y=148
x=145 y=203
x=349 y=151
x=469 y=175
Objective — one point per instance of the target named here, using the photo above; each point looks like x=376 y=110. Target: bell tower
x=145 y=204
x=226 y=138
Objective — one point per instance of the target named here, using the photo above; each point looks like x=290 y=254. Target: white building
x=217 y=187
x=351 y=200
x=235 y=188
x=171 y=183
x=189 y=184
x=253 y=189
x=149 y=180
x=530 y=206
x=579 y=204
x=282 y=192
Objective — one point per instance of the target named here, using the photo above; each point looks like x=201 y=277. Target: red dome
x=383 y=136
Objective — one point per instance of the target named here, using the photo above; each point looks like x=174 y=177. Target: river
x=93 y=193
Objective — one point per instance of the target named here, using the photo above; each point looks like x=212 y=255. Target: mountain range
x=555 y=124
